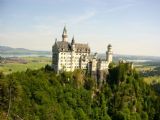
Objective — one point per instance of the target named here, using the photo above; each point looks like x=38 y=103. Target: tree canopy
x=43 y=95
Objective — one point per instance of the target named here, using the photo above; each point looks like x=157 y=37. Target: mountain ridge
x=9 y=51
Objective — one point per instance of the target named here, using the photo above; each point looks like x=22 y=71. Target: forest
x=44 y=95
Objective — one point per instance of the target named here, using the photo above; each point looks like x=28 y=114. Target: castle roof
x=63 y=46
x=66 y=47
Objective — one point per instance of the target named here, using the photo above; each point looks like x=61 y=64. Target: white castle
x=68 y=56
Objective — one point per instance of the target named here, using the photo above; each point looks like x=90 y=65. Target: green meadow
x=31 y=63
x=152 y=74
x=152 y=79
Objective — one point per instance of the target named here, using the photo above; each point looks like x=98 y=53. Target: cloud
x=84 y=17
x=92 y=13
x=80 y=18
x=115 y=9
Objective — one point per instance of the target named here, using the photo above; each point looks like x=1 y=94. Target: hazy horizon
x=131 y=26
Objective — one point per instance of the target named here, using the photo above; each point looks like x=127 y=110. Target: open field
x=23 y=63
x=151 y=74
x=145 y=68
x=152 y=79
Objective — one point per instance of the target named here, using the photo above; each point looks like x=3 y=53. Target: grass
x=149 y=79
x=152 y=79
x=32 y=63
x=145 y=68
x=38 y=59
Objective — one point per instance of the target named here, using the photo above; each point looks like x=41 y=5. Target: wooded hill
x=43 y=95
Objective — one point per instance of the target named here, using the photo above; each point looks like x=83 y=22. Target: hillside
x=43 y=95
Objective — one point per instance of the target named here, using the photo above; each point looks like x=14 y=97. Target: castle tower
x=72 y=54
x=64 y=35
x=109 y=54
x=55 y=57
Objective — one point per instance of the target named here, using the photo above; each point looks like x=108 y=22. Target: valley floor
x=18 y=64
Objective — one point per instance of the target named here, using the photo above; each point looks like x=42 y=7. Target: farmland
x=18 y=64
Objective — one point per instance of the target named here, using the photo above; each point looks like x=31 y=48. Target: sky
x=131 y=26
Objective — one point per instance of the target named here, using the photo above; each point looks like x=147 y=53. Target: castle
x=68 y=56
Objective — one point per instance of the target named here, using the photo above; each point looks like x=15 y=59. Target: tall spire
x=64 y=34
x=56 y=40
x=73 y=41
x=64 y=30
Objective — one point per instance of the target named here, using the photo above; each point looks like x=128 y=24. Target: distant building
x=69 y=56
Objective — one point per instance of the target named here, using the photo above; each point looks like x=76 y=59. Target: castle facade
x=68 y=56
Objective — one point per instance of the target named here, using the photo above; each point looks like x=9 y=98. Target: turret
x=73 y=44
x=64 y=35
x=55 y=40
x=109 y=53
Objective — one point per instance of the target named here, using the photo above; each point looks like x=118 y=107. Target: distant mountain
x=132 y=58
x=6 y=51
x=9 y=49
